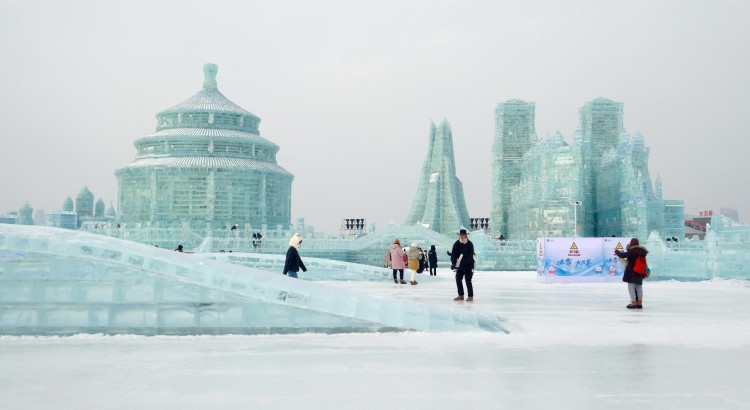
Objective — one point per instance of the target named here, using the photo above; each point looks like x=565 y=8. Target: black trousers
x=461 y=275
x=433 y=271
x=398 y=270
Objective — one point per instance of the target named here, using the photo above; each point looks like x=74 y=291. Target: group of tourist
x=462 y=264
x=415 y=259
x=256 y=235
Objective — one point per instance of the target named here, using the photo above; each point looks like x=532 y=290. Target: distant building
x=206 y=166
x=61 y=219
x=9 y=218
x=730 y=213
x=99 y=208
x=85 y=203
x=39 y=217
x=68 y=205
x=110 y=211
x=25 y=215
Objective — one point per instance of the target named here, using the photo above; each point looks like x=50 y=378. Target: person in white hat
x=293 y=262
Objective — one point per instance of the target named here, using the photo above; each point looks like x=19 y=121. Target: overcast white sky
x=347 y=89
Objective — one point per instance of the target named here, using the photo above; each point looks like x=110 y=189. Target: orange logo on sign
x=574 y=250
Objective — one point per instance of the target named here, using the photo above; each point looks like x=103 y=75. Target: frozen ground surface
x=577 y=348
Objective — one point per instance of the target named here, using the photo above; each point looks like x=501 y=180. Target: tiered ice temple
x=205 y=168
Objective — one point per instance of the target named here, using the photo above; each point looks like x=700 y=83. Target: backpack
x=422 y=264
x=640 y=267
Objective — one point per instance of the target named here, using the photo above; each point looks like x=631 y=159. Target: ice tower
x=549 y=176
x=439 y=201
x=99 y=208
x=68 y=205
x=85 y=203
x=24 y=214
x=206 y=166
x=514 y=135
x=601 y=127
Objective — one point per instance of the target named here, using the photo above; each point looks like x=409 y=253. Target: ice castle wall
x=600 y=183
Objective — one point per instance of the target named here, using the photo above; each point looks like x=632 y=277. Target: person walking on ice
x=413 y=254
x=397 y=261
x=462 y=259
x=293 y=262
x=432 y=260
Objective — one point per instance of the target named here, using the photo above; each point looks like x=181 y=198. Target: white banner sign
x=579 y=259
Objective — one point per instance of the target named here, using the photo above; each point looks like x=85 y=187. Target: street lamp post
x=575 y=215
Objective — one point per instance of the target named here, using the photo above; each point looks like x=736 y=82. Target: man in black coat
x=462 y=259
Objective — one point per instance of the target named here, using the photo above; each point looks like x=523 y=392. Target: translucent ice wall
x=56 y=281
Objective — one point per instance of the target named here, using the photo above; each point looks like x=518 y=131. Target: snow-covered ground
x=575 y=347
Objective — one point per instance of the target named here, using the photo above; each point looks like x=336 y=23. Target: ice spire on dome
x=209 y=71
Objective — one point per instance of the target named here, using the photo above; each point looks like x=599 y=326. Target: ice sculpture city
x=206 y=168
x=56 y=282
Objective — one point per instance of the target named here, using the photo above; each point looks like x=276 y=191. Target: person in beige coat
x=412 y=255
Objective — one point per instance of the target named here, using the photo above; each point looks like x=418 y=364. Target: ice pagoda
x=205 y=167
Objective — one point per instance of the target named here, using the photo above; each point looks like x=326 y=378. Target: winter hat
x=295 y=241
x=397 y=242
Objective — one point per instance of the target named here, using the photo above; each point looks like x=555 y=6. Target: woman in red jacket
x=634 y=280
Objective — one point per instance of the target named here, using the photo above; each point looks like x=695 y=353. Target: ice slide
x=57 y=282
